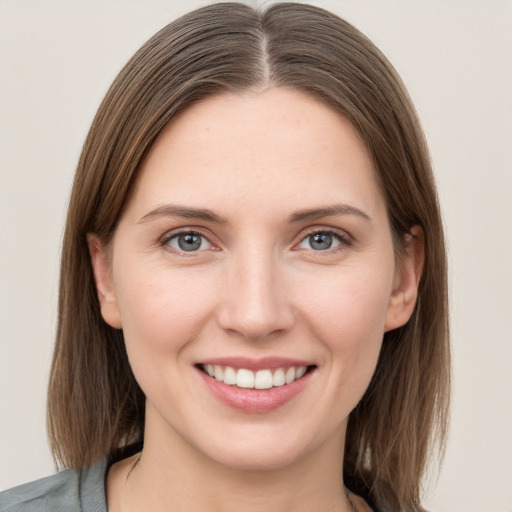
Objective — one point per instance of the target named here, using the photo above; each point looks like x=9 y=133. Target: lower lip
x=255 y=400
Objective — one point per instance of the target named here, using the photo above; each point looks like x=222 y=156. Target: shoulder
x=66 y=491
x=57 y=492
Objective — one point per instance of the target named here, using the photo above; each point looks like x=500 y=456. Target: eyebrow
x=170 y=210
x=328 y=211
x=204 y=214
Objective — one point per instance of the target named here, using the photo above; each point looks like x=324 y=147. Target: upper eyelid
x=342 y=233
x=180 y=231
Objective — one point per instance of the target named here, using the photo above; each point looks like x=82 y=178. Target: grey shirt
x=66 y=491
x=77 y=491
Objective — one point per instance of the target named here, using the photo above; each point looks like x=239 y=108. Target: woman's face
x=255 y=246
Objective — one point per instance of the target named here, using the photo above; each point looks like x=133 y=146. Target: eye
x=188 y=241
x=322 y=241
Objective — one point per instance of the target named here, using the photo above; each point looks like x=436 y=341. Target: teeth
x=290 y=375
x=278 y=379
x=218 y=372
x=244 y=378
x=262 y=379
x=229 y=376
x=300 y=372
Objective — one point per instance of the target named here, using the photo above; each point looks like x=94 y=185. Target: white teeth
x=278 y=379
x=262 y=379
x=244 y=378
x=290 y=375
x=219 y=372
x=300 y=372
x=229 y=376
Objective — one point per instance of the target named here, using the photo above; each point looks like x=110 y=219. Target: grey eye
x=188 y=242
x=320 y=241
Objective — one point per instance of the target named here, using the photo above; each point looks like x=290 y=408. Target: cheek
x=161 y=311
x=350 y=308
x=349 y=319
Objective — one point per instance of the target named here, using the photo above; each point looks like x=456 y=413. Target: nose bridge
x=255 y=300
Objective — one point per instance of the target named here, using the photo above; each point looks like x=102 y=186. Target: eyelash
x=344 y=239
x=175 y=235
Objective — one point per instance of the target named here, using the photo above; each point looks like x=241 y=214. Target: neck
x=170 y=474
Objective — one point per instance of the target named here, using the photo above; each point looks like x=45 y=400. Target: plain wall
x=57 y=60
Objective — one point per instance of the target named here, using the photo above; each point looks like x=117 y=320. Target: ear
x=104 y=283
x=406 y=281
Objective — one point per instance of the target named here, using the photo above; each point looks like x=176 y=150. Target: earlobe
x=407 y=279
x=103 y=280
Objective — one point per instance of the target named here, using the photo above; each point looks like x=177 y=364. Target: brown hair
x=95 y=404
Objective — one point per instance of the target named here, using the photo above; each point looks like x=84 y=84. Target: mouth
x=252 y=386
x=262 y=379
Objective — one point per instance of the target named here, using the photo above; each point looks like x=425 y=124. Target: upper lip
x=264 y=363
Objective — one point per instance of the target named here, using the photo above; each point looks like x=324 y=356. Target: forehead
x=260 y=147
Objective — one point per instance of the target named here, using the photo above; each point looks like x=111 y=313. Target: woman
x=253 y=280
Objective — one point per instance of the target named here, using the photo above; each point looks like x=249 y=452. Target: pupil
x=320 y=241
x=189 y=242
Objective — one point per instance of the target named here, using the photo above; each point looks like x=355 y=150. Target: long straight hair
x=95 y=404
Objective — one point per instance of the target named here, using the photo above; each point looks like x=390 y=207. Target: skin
x=255 y=288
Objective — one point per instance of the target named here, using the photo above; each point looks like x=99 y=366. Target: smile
x=260 y=379
x=256 y=386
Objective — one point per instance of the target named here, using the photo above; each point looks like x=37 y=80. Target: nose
x=255 y=303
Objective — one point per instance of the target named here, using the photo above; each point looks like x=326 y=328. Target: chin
x=257 y=461
x=269 y=450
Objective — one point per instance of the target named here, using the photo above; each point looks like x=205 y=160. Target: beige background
x=57 y=60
